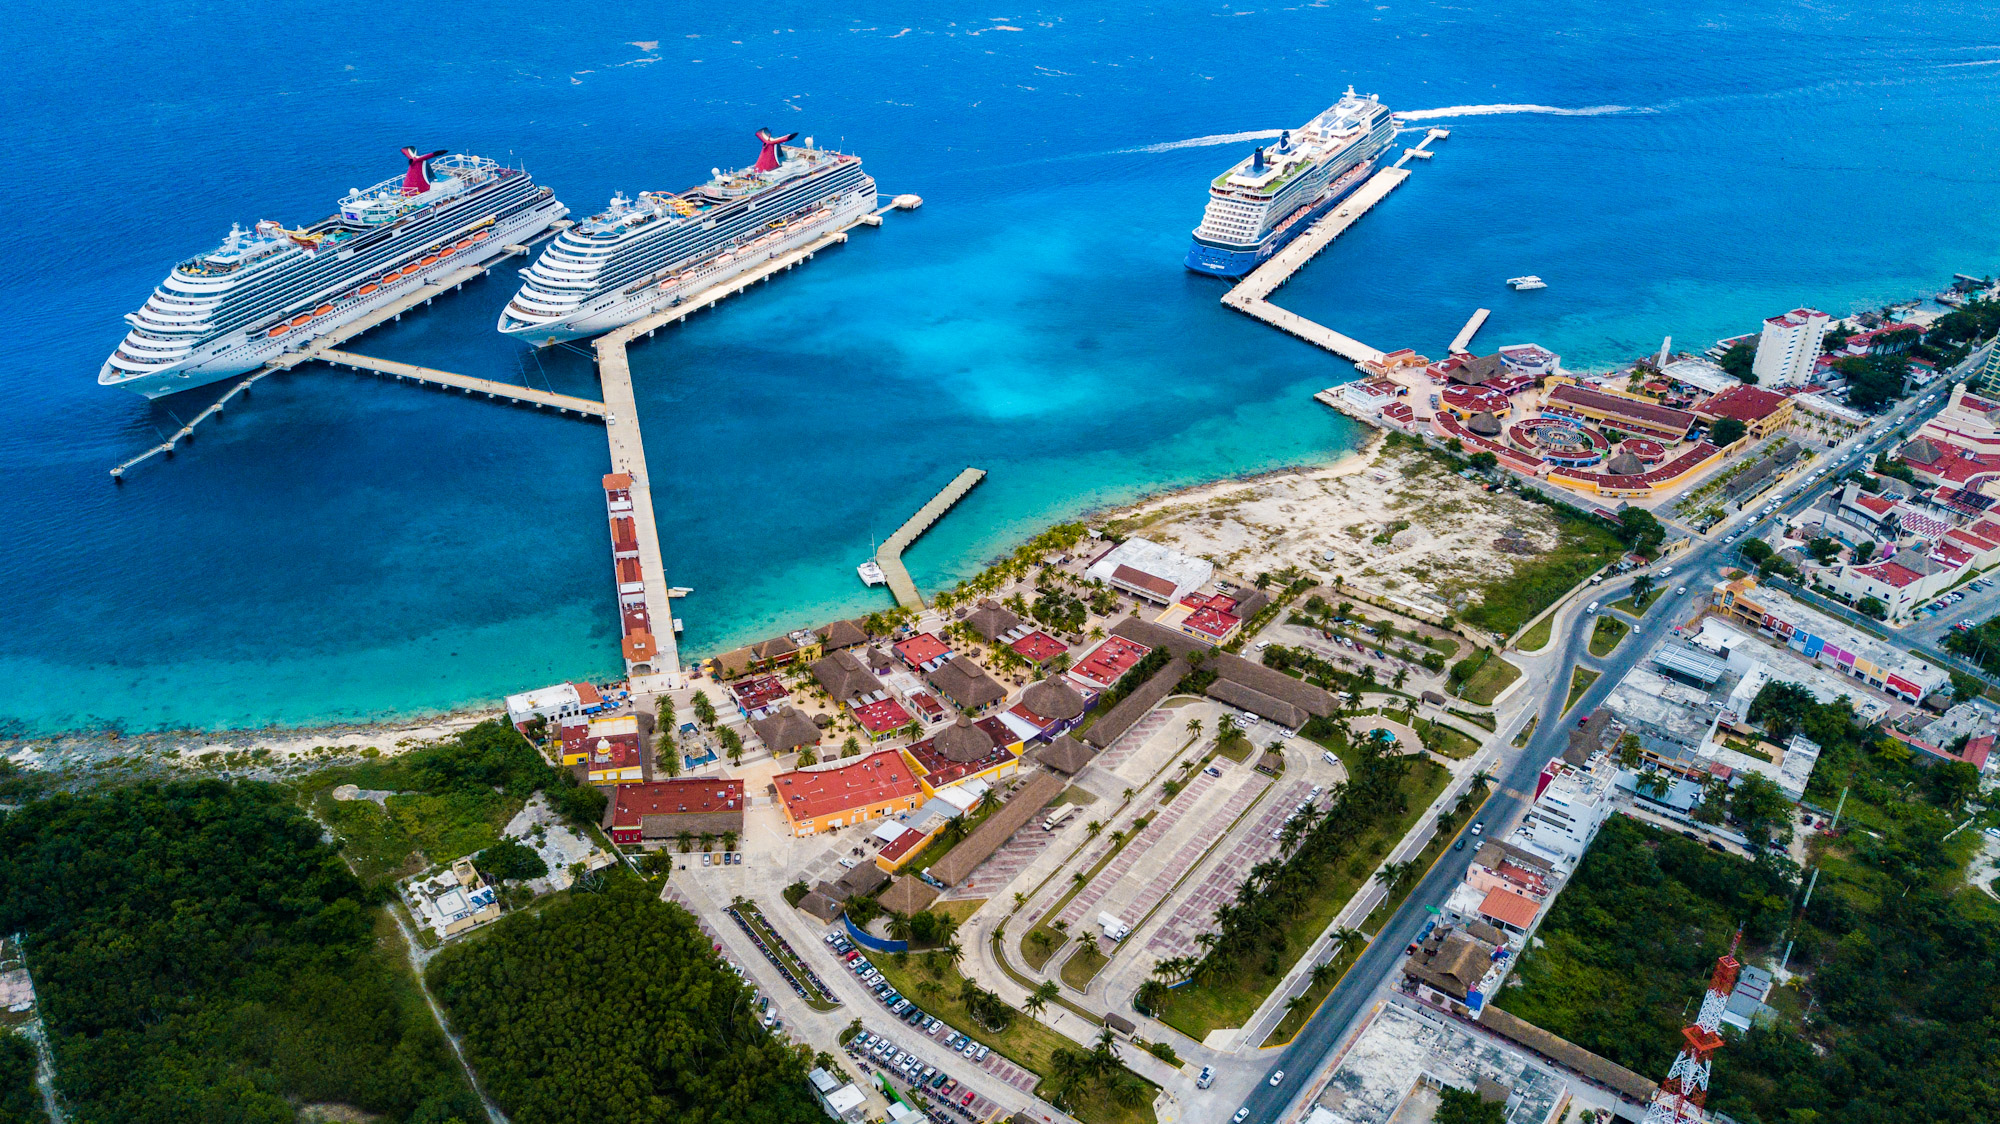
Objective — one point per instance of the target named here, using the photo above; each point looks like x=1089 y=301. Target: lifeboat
x=368 y=288
x=396 y=276
x=432 y=260
x=462 y=244
x=322 y=310
x=302 y=319
x=278 y=331
x=482 y=236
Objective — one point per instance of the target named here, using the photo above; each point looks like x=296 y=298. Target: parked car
x=1478 y=826
x=1277 y=1075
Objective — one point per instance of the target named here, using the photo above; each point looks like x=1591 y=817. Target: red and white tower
x=1681 y=1096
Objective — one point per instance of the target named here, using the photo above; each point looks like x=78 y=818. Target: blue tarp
x=866 y=940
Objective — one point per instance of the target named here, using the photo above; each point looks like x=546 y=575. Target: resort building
x=844 y=678
x=1532 y=360
x=1037 y=647
x=854 y=791
x=966 y=684
x=986 y=750
x=1629 y=414
x=923 y=653
x=1047 y=708
x=1571 y=803
x=608 y=749
x=655 y=814
x=1762 y=412
x=786 y=730
x=842 y=634
x=1788 y=347
x=1831 y=644
x=1151 y=572
x=759 y=695
x=883 y=718
x=1104 y=665
x=554 y=704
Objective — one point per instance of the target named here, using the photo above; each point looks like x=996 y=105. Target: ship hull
x=244 y=351
x=613 y=310
x=1234 y=264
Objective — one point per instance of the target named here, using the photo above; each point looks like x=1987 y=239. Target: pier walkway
x=1471 y=329
x=524 y=394
x=890 y=554
x=646 y=326
x=422 y=294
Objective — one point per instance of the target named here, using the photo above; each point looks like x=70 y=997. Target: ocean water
x=336 y=548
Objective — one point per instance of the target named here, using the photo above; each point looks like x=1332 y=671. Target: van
x=1665 y=572
x=1329 y=758
x=1597 y=579
x=1592 y=608
x=1206 y=1079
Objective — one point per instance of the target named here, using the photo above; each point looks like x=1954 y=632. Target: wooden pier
x=890 y=554
x=525 y=395
x=1460 y=341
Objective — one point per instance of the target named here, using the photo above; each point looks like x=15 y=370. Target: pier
x=890 y=554
x=421 y=295
x=1471 y=329
x=526 y=395
x=1251 y=296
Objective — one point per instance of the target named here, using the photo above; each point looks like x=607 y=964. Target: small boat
x=871 y=573
x=1531 y=281
x=322 y=310
x=369 y=288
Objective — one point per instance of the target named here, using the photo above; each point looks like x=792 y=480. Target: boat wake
x=1204 y=142
x=1490 y=110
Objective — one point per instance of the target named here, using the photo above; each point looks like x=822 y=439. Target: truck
x=1114 y=929
x=1055 y=819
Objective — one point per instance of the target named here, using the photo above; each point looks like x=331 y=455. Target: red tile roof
x=867 y=781
x=1510 y=907
x=1212 y=623
x=1140 y=579
x=882 y=716
x=1657 y=417
x=691 y=796
x=1039 y=647
x=1876 y=504
x=1744 y=403
x=921 y=649
x=1893 y=574
x=1103 y=665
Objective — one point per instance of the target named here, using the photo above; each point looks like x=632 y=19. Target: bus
x=1055 y=819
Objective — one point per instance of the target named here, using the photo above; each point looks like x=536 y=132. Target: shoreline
x=62 y=747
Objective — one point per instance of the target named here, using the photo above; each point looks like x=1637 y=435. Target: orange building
x=816 y=800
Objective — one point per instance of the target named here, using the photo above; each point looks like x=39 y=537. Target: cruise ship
x=641 y=256
x=1261 y=204
x=270 y=290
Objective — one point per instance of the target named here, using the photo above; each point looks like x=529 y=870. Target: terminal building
x=1834 y=645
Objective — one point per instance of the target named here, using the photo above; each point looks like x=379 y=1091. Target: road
x=1697 y=569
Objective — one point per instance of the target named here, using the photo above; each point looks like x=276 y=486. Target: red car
x=969 y=1094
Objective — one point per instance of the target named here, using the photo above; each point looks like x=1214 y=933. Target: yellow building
x=853 y=792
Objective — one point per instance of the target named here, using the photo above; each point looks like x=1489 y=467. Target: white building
x=1788 y=348
x=553 y=703
x=1571 y=803
x=838 y=1099
x=1147 y=570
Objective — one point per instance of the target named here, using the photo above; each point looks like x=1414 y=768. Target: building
x=1631 y=415
x=786 y=730
x=1762 y=412
x=1210 y=618
x=844 y=677
x=990 y=621
x=1037 y=647
x=1102 y=666
x=842 y=634
x=986 y=750
x=839 y=1100
x=966 y=684
x=1450 y=966
x=1047 y=708
x=1571 y=803
x=1503 y=866
x=1508 y=911
x=607 y=748
x=655 y=814
x=758 y=695
x=1532 y=360
x=881 y=718
x=1831 y=644
x=851 y=792
x=1367 y=397
x=923 y=653
x=453 y=900
x=1151 y=572
x=1788 y=347
x=552 y=704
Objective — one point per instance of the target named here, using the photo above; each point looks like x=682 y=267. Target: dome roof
x=1484 y=424
x=962 y=741
x=1625 y=464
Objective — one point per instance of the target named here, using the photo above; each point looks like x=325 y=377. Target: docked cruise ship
x=270 y=290
x=641 y=256
x=1261 y=204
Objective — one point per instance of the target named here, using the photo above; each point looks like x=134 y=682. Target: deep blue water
x=339 y=548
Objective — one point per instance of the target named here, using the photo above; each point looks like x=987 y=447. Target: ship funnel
x=417 y=179
x=767 y=160
x=1257 y=160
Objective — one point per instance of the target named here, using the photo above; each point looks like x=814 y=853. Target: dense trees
x=202 y=955
x=1873 y=381
x=1740 y=360
x=20 y=1102
x=610 y=1008
x=511 y=860
x=1456 y=1106
x=1727 y=432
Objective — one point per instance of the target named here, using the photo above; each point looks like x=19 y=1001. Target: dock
x=1471 y=329
x=890 y=554
x=421 y=295
x=512 y=392
x=1251 y=296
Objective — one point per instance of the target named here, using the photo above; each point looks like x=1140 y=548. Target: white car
x=1680 y=591
x=1277 y=1075
x=1242 y=1114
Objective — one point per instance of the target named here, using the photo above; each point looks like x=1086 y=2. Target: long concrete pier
x=422 y=294
x=890 y=554
x=524 y=394
x=1471 y=329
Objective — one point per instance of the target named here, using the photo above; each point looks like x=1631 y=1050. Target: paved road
x=1698 y=569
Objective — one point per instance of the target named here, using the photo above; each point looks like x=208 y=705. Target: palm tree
x=1093 y=827
x=1041 y=997
x=1323 y=974
x=686 y=840
x=729 y=841
x=899 y=927
x=931 y=989
x=1390 y=874
x=1193 y=728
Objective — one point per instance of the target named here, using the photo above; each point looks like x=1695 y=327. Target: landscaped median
x=1605 y=635
x=760 y=927
x=1480 y=677
x=1579 y=682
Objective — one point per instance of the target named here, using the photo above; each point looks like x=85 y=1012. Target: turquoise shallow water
x=341 y=549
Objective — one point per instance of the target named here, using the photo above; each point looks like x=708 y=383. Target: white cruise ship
x=270 y=290
x=1272 y=196
x=641 y=256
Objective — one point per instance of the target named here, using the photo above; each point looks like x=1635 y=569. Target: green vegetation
x=1584 y=546
x=1083 y=964
x=933 y=981
x=1637 y=606
x=1873 y=381
x=1282 y=907
x=1727 y=432
x=1041 y=941
x=1891 y=1018
x=1527 y=731
x=1579 y=681
x=1444 y=740
x=1480 y=677
x=202 y=955
x=454 y=799
x=1606 y=634
x=1980 y=644
x=512 y=861
x=1537 y=638
x=625 y=1016
x=1457 y=1106
x=1325 y=977
x=1740 y=360
x=1402 y=877
x=20 y=1101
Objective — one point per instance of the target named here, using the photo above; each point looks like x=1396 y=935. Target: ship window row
x=693 y=241
x=329 y=273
